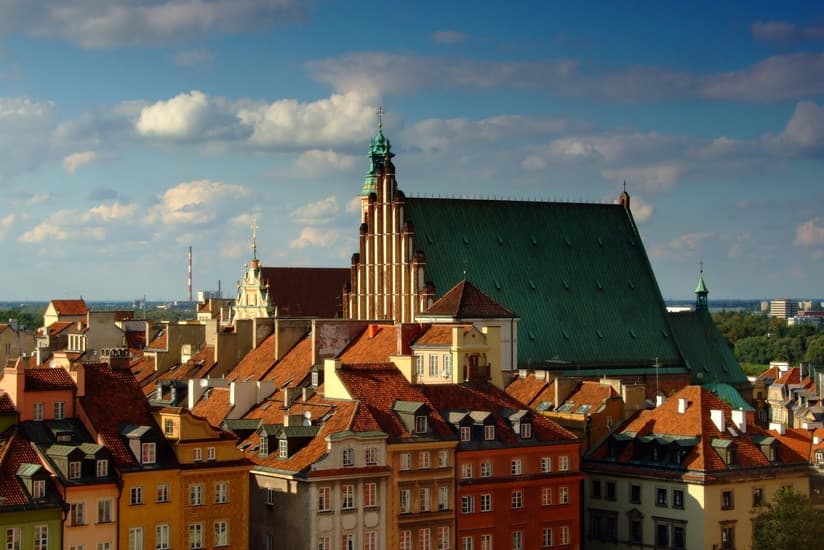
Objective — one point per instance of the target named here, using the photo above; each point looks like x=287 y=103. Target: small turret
x=701 y=291
x=624 y=198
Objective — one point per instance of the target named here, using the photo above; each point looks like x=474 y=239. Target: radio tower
x=190 y=274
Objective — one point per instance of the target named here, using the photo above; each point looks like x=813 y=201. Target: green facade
x=27 y=520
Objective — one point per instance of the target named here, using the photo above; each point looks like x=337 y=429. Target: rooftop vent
x=717 y=417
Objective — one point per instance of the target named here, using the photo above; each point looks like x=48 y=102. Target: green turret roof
x=379 y=149
x=702 y=287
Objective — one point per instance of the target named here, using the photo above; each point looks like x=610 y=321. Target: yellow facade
x=150 y=508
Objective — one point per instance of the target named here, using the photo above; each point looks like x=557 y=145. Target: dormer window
x=169 y=426
x=315 y=379
x=283 y=448
x=74 y=470
x=264 y=446
x=198 y=454
x=348 y=456
x=526 y=430
x=102 y=468
x=38 y=488
x=421 y=424
x=466 y=433
x=148 y=453
x=489 y=432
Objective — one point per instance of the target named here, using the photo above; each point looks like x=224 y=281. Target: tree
x=815 y=350
x=788 y=521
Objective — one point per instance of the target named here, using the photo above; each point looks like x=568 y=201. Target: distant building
x=783 y=308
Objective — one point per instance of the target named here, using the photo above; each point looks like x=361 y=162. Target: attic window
x=533 y=240
x=531 y=336
x=631 y=285
x=664 y=333
x=566 y=284
x=598 y=285
x=500 y=241
x=526 y=430
x=567 y=241
x=429 y=239
x=465 y=240
x=632 y=333
x=599 y=334
x=565 y=334
x=283 y=448
x=531 y=284
x=497 y=284
x=421 y=424
x=600 y=241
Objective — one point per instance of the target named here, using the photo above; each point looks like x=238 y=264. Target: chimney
x=373 y=331
x=816 y=440
x=682 y=405
x=778 y=427
x=717 y=417
x=659 y=400
x=739 y=418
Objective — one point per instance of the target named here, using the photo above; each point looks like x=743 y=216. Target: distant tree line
x=28 y=318
x=757 y=338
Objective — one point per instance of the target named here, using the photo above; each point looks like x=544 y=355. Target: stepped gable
x=576 y=274
x=305 y=291
x=466 y=301
x=486 y=397
x=47 y=379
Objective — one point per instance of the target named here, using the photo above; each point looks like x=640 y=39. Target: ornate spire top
x=379 y=151
x=254 y=238
x=701 y=291
x=380 y=117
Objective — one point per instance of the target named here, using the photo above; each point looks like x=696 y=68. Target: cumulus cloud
x=105 y=23
x=804 y=132
x=25 y=132
x=76 y=160
x=188 y=116
x=448 y=37
x=777 y=78
x=641 y=209
x=195 y=202
x=316 y=213
x=313 y=236
x=810 y=233
x=317 y=162
x=6 y=224
x=64 y=225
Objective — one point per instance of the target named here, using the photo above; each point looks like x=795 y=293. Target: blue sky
x=129 y=131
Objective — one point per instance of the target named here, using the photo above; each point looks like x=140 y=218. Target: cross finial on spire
x=625 y=186
x=701 y=267
x=380 y=117
x=254 y=238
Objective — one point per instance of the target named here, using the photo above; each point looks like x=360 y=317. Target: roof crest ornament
x=254 y=238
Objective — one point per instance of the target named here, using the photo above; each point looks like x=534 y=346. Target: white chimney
x=739 y=418
x=682 y=405
x=778 y=427
x=717 y=417
x=816 y=440
x=659 y=400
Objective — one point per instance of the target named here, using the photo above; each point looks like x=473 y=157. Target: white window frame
x=468 y=504
x=370 y=456
x=424 y=460
x=546 y=537
x=546 y=496
x=466 y=433
x=39 y=410
x=136 y=495
x=195 y=494
x=104 y=511
x=442 y=535
x=270 y=496
x=466 y=470
x=221 y=492
x=405 y=501
x=221 y=532
x=59 y=410
x=526 y=430
x=101 y=467
x=347 y=496
x=517 y=499
x=564 y=535
x=195 y=535
x=197 y=454
x=433 y=365
x=325 y=499
x=516 y=467
x=135 y=538
x=77 y=513
x=486 y=468
x=162 y=533
x=443 y=497
x=443 y=459
x=424 y=538
x=406 y=461
x=148 y=453
x=486 y=541
x=517 y=540
x=211 y=454
x=425 y=499
x=421 y=424
x=546 y=464
x=405 y=542
x=75 y=469
x=13 y=536
x=370 y=494
x=563 y=463
x=162 y=492
x=563 y=495
x=283 y=448
x=39 y=488
x=348 y=456
x=489 y=432
x=486 y=502
x=168 y=426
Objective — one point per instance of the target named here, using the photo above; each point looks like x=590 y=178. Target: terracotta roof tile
x=14 y=451
x=160 y=341
x=792 y=376
x=142 y=368
x=135 y=339
x=374 y=345
x=60 y=326
x=214 y=407
x=527 y=389
x=6 y=405
x=197 y=366
x=257 y=362
x=292 y=367
x=306 y=291
x=437 y=335
x=591 y=392
x=772 y=373
x=466 y=301
x=70 y=307
x=48 y=379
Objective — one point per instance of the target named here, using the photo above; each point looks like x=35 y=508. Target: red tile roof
x=466 y=301
x=160 y=341
x=591 y=392
x=257 y=362
x=771 y=372
x=198 y=366
x=792 y=376
x=59 y=326
x=6 y=405
x=374 y=345
x=306 y=291
x=437 y=335
x=48 y=379
x=14 y=451
x=70 y=307
x=143 y=368
x=136 y=339
x=214 y=407
x=528 y=389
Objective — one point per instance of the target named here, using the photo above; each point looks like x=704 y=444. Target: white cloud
x=193 y=58
x=354 y=205
x=533 y=163
x=810 y=233
x=804 y=132
x=63 y=225
x=25 y=128
x=192 y=116
x=317 y=162
x=195 y=202
x=776 y=78
x=6 y=224
x=104 y=23
x=736 y=249
x=682 y=246
x=76 y=160
x=313 y=236
x=316 y=213
x=641 y=209
x=652 y=177
x=448 y=37
x=111 y=212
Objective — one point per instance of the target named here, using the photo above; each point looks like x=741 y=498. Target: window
x=195 y=494
x=74 y=469
x=424 y=460
x=136 y=538
x=198 y=454
x=447 y=365
x=466 y=470
x=136 y=495
x=443 y=459
x=515 y=467
x=419 y=364
x=13 y=538
x=211 y=453
x=370 y=494
x=77 y=514
x=59 y=410
x=195 y=535
x=526 y=430
x=162 y=492
x=283 y=448
x=162 y=537
x=370 y=541
x=660 y=497
x=662 y=532
x=221 y=533
x=636 y=532
x=264 y=446
x=443 y=538
x=679 y=540
x=104 y=545
x=467 y=504
x=405 y=501
x=421 y=424
x=41 y=537
x=324 y=543
x=370 y=456
x=563 y=463
x=466 y=543
x=486 y=542
x=757 y=497
x=39 y=488
x=727 y=500
x=635 y=493
x=564 y=534
x=486 y=469
x=466 y=433
x=486 y=502
x=102 y=468
x=348 y=456
x=39 y=407
x=406 y=461
x=546 y=496
x=424 y=542
x=517 y=499
x=169 y=426
x=546 y=464
x=433 y=365
x=104 y=511
x=221 y=492
x=595 y=488
x=315 y=379
x=677 y=498
x=424 y=499
x=347 y=497
x=406 y=540
x=727 y=537
x=443 y=497
x=517 y=540
x=324 y=499
x=563 y=495
x=546 y=537
x=148 y=453
x=611 y=494
x=270 y=497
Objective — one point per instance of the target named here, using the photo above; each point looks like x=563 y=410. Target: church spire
x=254 y=239
x=701 y=291
x=379 y=150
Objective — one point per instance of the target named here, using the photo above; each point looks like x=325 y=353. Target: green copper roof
x=577 y=275
x=379 y=149
x=705 y=350
x=701 y=288
x=730 y=395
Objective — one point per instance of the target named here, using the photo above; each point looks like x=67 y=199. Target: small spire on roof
x=254 y=238
x=380 y=117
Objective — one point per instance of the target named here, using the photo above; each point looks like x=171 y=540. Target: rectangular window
x=102 y=468
x=39 y=407
x=611 y=491
x=424 y=499
x=486 y=542
x=162 y=537
x=13 y=538
x=727 y=500
x=211 y=453
x=564 y=534
x=405 y=501
x=546 y=464
x=447 y=365
x=59 y=410
x=526 y=430
x=74 y=470
x=419 y=364
x=104 y=511
x=679 y=539
x=595 y=488
x=370 y=494
x=563 y=495
x=424 y=460
x=169 y=426
x=677 y=498
x=635 y=493
x=424 y=539
x=489 y=432
x=195 y=535
x=41 y=537
x=195 y=494
x=104 y=545
x=486 y=469
x=406 y=540
x=270 y=497
x=264 y=446
x=221 y=492
x=467 y=504
x=546 y=537
x=466 y=433
x=421 y=424
x=433 y=365
x=517 y=499
x=39 y=486
x=660 y=497
x=466 y=470
x=757 y=497
x=406 y=461
x=197 y=454
x=486 y=502
x=636 y=532
x=324 y=543
x=148 y=453
x=283 y=449
x=370 y=456
x=516 y=468
x=517 y=540
x=546 y=496
x=443 y=459
x=370 y=541
x=221 y=533
x=136 y=538
x=347 y=500
x=136 y=495
x=162 y=492
x=77 y=514
x=466 y=543
x=563 y=463
x=324 y=499
x=443 y=497
x=662 y=533
x=443 y=538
